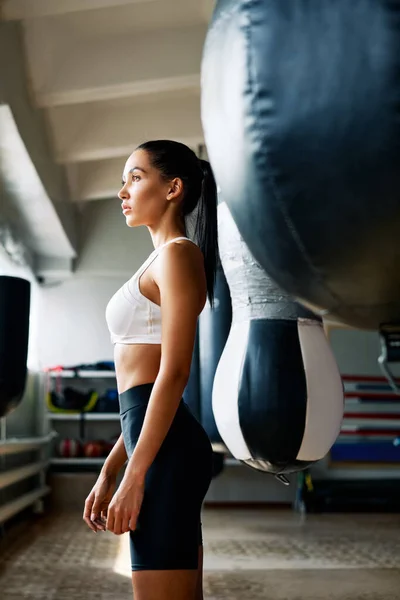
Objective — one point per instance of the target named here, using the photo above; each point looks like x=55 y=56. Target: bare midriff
x=136 y=364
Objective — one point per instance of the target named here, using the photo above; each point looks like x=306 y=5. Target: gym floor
x=249 y=554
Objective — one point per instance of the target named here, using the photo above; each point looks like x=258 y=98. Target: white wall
x=73 y=328
x=356 y=351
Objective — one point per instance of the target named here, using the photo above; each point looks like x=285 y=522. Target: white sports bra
x=131 y=317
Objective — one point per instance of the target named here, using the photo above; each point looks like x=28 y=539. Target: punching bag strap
x=390 y=352
x=280 y=477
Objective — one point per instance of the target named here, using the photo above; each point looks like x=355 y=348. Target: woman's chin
x=131 y=221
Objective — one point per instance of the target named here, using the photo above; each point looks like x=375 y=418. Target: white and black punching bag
x=300 y=112
x=277 y=394
x=14 y=334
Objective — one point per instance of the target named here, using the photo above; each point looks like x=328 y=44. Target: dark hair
x=174 y=159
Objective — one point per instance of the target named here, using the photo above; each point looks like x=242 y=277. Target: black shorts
x=168 y=532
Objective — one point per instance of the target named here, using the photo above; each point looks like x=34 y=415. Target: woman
x=170 y=457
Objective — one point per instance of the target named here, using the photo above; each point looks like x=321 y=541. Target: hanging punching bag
x=214 y=326
x=14 y=332
x=278 y=395
x=191 y=394
x=300 y=114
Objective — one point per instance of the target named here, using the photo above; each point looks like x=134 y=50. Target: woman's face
x=144 y=193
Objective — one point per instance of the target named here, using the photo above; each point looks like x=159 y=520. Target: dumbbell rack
x=80 y=418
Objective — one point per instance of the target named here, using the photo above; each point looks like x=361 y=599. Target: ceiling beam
x=96 y=68
x=40 y=199
x=28 y=9
x=95 y=132
x=34 y=212
x=97 y=180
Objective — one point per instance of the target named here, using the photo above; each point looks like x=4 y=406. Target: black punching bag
x=214 y=327
x=300 y=111
x=14 y=333
x=191 y=395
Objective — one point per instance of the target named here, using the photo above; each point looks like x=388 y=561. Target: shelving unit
x=81 y=374
x=77 y=461
x=86 y=416
x=77 y=423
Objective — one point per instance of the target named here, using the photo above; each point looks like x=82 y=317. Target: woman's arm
x=181 y=281
x=164 y=401
x=116 y=459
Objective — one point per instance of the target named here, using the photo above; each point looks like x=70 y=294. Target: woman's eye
x=135 y=178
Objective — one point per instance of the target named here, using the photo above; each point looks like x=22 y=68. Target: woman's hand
x=97 y=503
x=125 y=506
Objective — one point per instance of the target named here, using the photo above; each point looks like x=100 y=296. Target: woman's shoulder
x=182 y=266
x=182 y=254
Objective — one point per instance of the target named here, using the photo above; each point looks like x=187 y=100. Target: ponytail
x=206 y=231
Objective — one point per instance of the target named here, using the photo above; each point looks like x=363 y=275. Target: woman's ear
x=175 y=189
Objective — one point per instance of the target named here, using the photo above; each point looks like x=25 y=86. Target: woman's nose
x=123 y=193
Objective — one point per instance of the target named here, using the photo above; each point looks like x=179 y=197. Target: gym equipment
x=354 y=495
x=14 y=334
x=71 y=400
x=108 y=402
x=301 y=122
x=192 y=397
x=104 y=365
x=277 y=395
x=371 y=423
x=389 y=336
x=191 y=394
x=93 y=449
x=69 y=448
x=214 y=326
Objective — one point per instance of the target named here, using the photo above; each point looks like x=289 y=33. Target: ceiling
x=109 y=74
